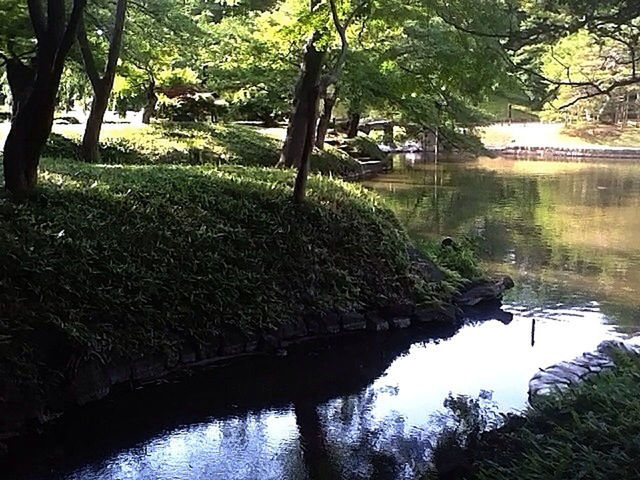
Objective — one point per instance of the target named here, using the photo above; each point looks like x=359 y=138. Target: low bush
x=367 y=147
x=587 y=431
x=334 y=161
x=458 y=257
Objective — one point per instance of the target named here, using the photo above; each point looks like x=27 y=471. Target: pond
x=371 y=407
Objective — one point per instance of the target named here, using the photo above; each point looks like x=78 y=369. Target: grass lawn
x=190 y=144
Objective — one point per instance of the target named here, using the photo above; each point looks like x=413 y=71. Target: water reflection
x=369 y=406
x=562 y=228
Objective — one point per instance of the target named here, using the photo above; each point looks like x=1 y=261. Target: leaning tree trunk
x=20 y=78
x=325 y=119
x=305 y=106
x=30 y=129
x=91 y=138
x=354 y=125
x=307 y=102
x=150 y=107
x=101 y=85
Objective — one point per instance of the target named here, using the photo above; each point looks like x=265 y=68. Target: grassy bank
x=610 y=135
x=191 y=144
x=589 y=431
x=116 y=260
x=558 y=135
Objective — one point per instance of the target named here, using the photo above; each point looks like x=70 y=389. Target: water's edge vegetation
x=588 y=430
x=123 y=272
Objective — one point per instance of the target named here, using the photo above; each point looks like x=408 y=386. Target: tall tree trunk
x=20 y=78
x=34 y=118
x=354 y=124
x=325 y=119
x=30 y=129
x=387 y=135
x=101 y=85
x=152 y=100
x=91 y=139
x=307 y=115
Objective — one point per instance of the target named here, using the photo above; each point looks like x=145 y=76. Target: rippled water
x=367 y=406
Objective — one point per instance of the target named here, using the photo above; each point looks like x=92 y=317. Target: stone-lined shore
x=565 y=374
x=94 y=378
x=604 y=153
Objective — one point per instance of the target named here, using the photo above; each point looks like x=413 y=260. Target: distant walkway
x=548 y=140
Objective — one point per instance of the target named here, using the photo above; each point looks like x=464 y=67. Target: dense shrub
x=191 y=107
x=334 y=161
x=458 y=258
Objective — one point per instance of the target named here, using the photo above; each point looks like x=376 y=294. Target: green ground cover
x=192 y=144
x=588 y=431
x=129 y=258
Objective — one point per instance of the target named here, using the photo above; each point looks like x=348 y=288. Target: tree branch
x=36 y=14
x=116 y=40
x=87 y=57
x=69 y=34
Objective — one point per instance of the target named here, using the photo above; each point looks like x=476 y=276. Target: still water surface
x=369 y=408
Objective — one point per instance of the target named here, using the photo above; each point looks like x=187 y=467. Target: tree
x=250 y=62
x=329 y=83
x=529 y=30
x=161 y=35
x=102 y=84
x=16 y=50
x=55 y=33
x=296 y=149
x=305 y=116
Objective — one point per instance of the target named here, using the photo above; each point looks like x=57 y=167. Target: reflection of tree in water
x=565 y=228
x=341 y=439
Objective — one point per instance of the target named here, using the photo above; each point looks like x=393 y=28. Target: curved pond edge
x=564 y=374
x=95 y=378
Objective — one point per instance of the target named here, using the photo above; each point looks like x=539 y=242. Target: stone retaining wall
x=556 y=152
x=94 y=378
x=567 y=373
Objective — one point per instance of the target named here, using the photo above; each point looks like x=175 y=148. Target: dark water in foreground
x=367 y=407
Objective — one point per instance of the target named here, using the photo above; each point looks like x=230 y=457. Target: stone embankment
x=567 y=373
x=94 y=378
x=550 y=153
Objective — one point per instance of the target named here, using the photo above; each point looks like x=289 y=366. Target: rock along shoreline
x=94 y=378
x=567 y=373
x=574 y=153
